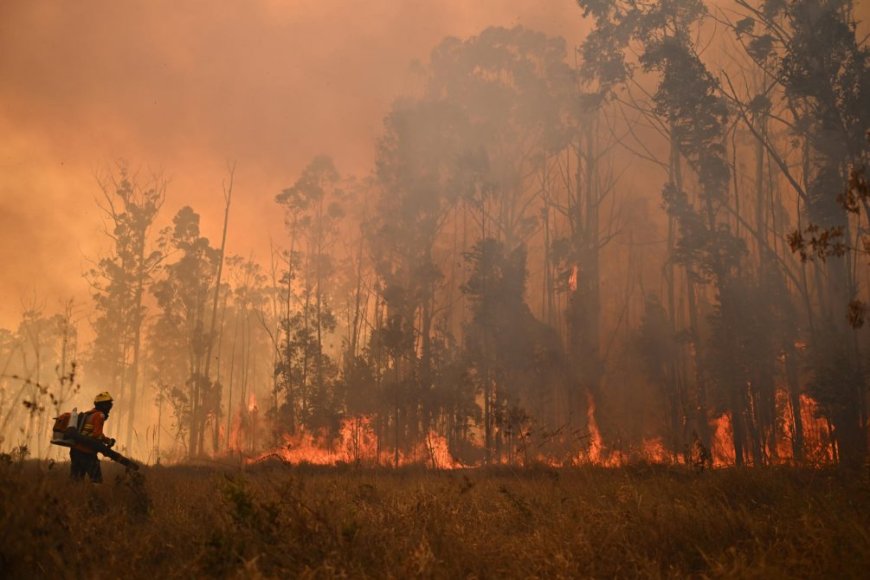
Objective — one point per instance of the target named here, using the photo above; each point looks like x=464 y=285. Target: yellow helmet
x=103 y=397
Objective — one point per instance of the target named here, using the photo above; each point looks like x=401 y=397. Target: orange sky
x=183 y=87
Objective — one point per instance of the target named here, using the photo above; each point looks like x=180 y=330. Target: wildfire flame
x=817 y=440
x=654 y=451
x=357 y=443
x=723 y=442
x=572 y=279
x=597 y=454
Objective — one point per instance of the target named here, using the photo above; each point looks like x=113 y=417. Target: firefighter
x=84 y=460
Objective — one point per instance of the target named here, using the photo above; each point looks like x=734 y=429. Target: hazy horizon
x=184 y=89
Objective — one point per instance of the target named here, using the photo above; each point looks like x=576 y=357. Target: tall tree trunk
x=794 y=395
x=737 y=426
x=206 y=377
x=288 y=351
x=591 y=276
x=425 y=386
x=137 y=341
x=218 y=396
x=232 y=377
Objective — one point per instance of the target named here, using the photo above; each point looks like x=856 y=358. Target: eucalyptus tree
x=811 y=53
x=688 y=104
x=214 y=335
x=314 y=208
x=514 y=86
x=518 y=357
x=179 y=337
x=244 y=339
x=120 y=281
x=657 y=345
x=516 y=90
x=427 y=161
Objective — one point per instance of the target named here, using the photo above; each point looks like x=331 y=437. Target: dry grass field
x=276 y=521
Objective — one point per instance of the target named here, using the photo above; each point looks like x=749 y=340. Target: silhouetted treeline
x=557 y=255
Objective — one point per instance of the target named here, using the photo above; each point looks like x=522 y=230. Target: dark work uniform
x=84 y=461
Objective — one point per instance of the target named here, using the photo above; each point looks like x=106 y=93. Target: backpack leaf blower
x=67 y=432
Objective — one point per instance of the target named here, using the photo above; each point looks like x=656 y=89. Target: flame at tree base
x=357 y=444
x=818 y=447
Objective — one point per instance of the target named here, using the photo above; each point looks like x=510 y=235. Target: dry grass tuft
x=273 y=521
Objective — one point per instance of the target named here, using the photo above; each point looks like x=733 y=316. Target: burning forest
x=601 y=237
